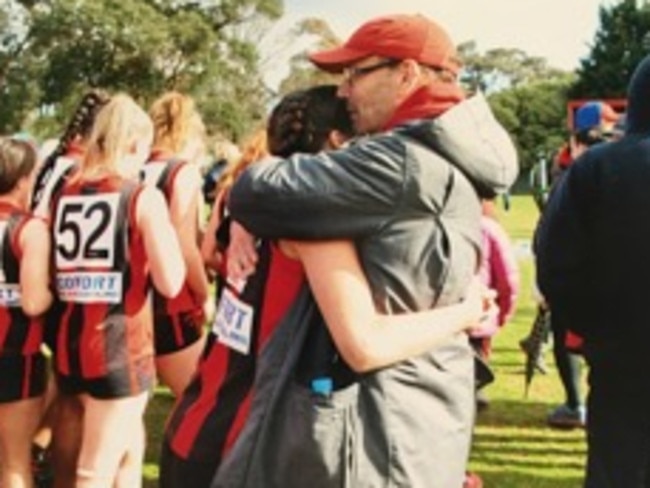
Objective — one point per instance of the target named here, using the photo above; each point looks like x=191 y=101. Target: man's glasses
x=352 y=74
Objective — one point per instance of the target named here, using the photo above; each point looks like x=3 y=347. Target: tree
x=501 y=68
x=314 y=34
x=17 y=88
x=207 y=49
x=620 y=43
x=534 y=114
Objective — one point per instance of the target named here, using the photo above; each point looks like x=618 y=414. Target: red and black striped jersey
x=101 y=278
x=210 y=414
x=161 y=172
x=19 y=333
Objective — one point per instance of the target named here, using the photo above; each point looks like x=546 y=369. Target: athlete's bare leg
x=18 y=423
x=108 y=428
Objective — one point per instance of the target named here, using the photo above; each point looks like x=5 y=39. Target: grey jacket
x=409 y=200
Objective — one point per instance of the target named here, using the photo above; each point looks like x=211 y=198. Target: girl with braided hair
x=60 y=412
x=208 y=422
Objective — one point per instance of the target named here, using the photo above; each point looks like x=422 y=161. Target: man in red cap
x=408 y=192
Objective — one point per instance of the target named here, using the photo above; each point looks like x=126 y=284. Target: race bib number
x=89 y=287
x=9 y=295
x=84 y=231
x=233 y=323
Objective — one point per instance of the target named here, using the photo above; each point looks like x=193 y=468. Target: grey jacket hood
x=470 y=138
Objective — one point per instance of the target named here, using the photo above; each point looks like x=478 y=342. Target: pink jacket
x=499 y=270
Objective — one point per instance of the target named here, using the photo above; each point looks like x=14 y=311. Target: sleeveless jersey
x=19 y=333
x=162 y=173
x=101 y=278
x=213 y=409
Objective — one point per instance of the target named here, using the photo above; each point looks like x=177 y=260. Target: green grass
x=513 y=447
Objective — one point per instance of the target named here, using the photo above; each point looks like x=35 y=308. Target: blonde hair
x=175 y=120
x=119 y=124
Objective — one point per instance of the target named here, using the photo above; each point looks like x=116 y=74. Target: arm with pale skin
x=161 y=244
x=34 y=241
x=366 y=339
x=184 y=211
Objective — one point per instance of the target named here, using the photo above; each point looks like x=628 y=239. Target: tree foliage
x=535 y=115
x=207 y=49
x=501 y=68
x=301 y=72
x=622 y=40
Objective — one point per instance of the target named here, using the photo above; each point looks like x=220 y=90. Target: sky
x=561 y=31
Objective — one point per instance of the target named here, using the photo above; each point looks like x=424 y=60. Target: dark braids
x=80 y=124
x=82 y=120
x=303 y=120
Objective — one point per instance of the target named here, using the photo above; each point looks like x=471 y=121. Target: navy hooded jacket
x=593 y=243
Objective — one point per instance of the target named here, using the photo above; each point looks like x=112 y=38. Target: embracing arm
x=339 y=194
x=368 y=340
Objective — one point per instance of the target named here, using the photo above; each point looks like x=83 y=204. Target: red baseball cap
x=397 y=37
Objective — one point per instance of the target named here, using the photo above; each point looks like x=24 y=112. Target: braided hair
x=304 y=119
x=81 y=122
x=80 y=125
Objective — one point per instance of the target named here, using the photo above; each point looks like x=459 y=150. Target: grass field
x=513 y=447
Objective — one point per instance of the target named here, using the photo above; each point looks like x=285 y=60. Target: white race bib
x=84 y=231
x=233 y=323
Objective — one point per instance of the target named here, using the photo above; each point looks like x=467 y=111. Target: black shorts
x=176 y=472
x=173 y=333
x=117 y=383
x=22 y=377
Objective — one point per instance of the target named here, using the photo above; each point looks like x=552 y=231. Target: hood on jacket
x=637 y=118
x=471 y=139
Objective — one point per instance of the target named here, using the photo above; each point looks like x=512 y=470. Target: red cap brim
x=335 y=60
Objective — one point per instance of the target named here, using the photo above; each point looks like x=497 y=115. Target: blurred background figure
x=595 y=123
x=226 y=153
